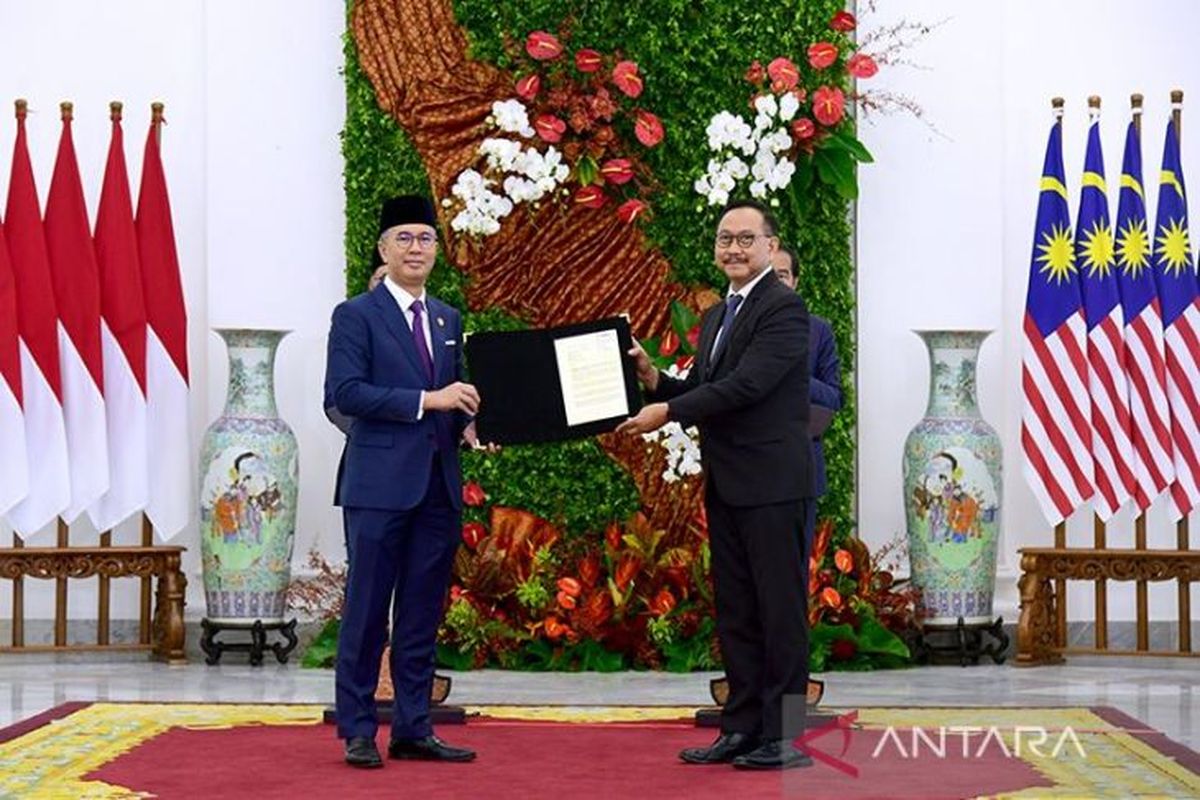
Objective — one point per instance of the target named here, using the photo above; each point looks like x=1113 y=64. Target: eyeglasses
x=744 y=240
x=425 y=240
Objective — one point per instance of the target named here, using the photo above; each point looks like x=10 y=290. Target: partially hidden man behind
x=394 y=374
x=824 y=382
x=748 y=393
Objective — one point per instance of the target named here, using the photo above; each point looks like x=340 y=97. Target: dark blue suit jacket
x=824 y=387
x=373 y=375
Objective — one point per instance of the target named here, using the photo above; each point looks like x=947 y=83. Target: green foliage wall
x=693 y=54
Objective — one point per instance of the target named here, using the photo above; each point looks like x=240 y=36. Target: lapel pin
x=441 y=322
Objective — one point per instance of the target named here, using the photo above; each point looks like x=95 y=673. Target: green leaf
x=874 y=638
x=587 y=171
x=836 y=168
x=455 y=658
x=322 y=651
x=683 y=319
x=844 y=141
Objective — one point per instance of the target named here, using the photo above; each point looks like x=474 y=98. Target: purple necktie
x=418 y=331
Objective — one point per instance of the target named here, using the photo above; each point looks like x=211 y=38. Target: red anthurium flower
x=473 y=533
x=844 y=561
x=554 y=628
x=591 y=197
x=693 y=336
x=588 y=60
x=626 y=78
x=617 y=171
x=669 y=344
x=756 y=73
x=803 y=128
x=543 y=46
x=684 y=362
x=648 y=129
x=843 y=22
x=784 y=74
x=456 y=593
x=612 y=536
x=549 y=128
x=663 y=602
x=822 y=54
x=570 y=586
x=473 y=494
x=528 y=87
x=861 y=65
x=829 y=105
x=565 y=600
x=830 y=597
x=628 y=211
x=801 y=95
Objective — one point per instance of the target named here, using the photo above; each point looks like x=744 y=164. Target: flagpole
x=1139 y=524
x=1060 y=530
x=156 y=120
x=1099 y=530
x=67 y=109
x=18 y=627
x=1181 y=527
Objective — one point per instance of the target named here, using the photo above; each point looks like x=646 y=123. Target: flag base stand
x=439 y=712
x=960 y=642
x=256 y=647
x=719 y=689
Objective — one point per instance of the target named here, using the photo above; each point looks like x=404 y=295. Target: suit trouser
x=759 y=575
x=402 y=559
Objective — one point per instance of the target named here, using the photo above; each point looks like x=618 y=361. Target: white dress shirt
x=744 y=292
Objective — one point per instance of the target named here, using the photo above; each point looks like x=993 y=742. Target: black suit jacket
x=751 y=404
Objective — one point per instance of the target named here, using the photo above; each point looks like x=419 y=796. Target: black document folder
x=521 y=390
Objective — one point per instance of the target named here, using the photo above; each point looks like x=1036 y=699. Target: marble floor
x=1164 y=693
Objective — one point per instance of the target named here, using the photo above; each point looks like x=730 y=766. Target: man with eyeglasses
x=394 y=371
x=748 y=393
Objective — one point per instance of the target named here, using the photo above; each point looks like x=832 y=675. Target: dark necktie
x=731 y=306
x=418 y=332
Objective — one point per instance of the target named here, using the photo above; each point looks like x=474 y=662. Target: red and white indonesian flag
x=123 y=341
x=41 y=385
x=76 y=279
x=14 y=471
x=169 y=457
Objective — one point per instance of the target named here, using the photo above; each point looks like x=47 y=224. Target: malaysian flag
x=1056 y=434
x=1177 y=290
x=1153 y=468
x=1109 y=394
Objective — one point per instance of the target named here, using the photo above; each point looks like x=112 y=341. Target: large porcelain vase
x=248 y=480
x=952 y=483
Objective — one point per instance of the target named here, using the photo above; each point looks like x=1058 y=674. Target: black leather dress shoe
x=773 y=754
x=430 y=748
x=362 y=752
x=727 y=747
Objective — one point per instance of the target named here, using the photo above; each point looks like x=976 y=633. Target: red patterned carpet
x=212 y=751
